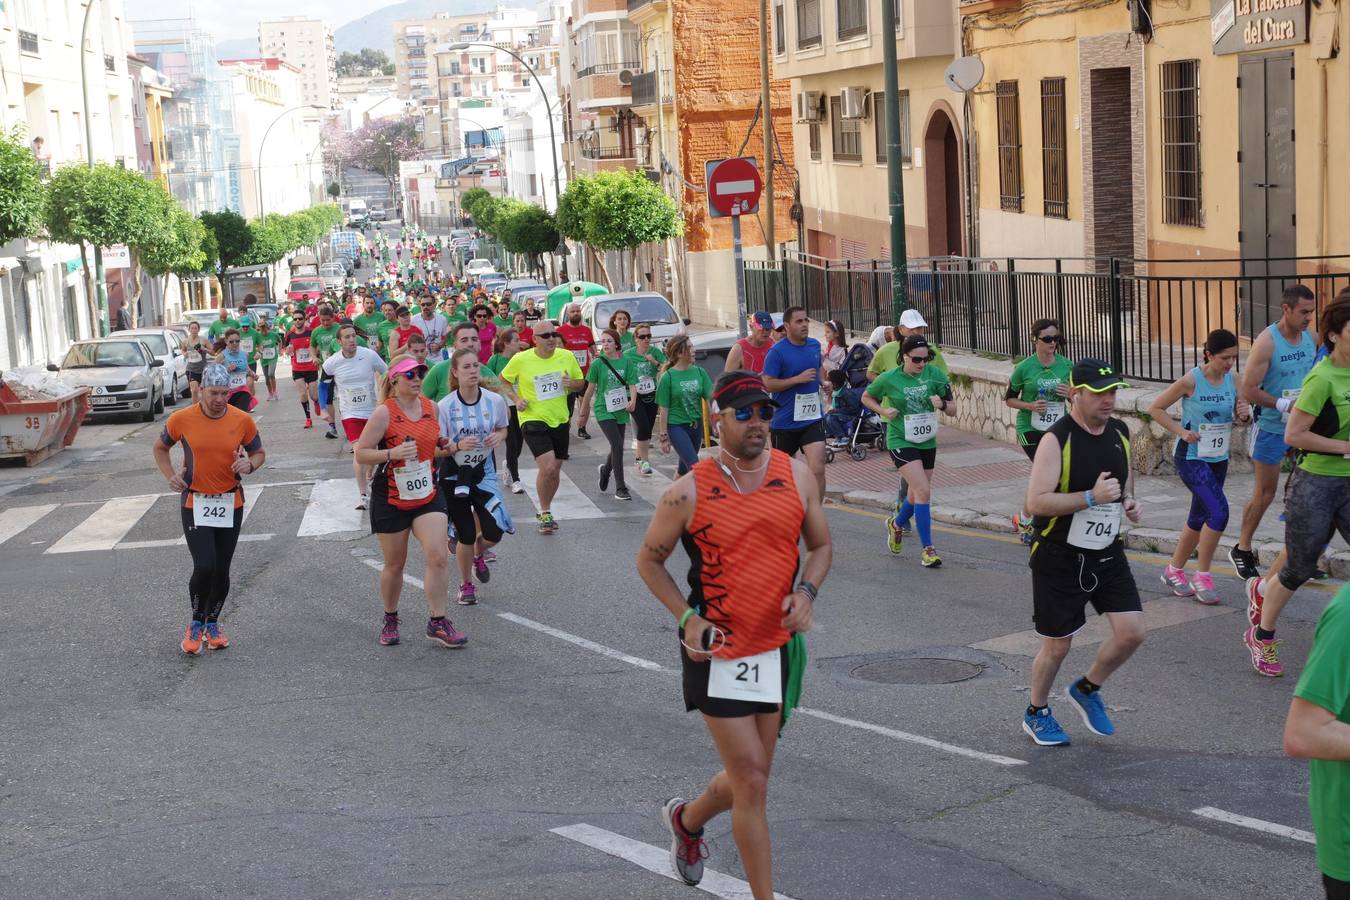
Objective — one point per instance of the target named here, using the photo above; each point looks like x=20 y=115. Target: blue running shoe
x=1044 y=730
x=1092 y=709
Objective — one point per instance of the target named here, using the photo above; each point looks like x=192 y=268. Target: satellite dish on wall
x=964 y=73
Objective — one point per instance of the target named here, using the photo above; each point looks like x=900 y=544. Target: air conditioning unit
x=810 y=106
x=625 y=76
x=853 y=103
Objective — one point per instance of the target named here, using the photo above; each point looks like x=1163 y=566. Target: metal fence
x=1148 y=318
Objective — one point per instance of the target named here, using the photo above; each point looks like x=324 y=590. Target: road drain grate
x=917 y=670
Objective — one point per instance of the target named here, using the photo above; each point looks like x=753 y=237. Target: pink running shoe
x=468 y=595
x=1264 y=658
x=1176 y=580
x=443 y=632
x=1203 y=582
x=1255 y=599
x=389 y=632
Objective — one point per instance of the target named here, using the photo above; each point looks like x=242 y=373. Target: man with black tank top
x=1081 y=484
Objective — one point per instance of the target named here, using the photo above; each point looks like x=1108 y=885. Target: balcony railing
x=28 y=42
x=644 y=88
x=638 y=4
x=607 y=68
x=605 y=153
x=109 y=62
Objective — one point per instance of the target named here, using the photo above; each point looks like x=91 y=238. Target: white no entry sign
x=734 y=186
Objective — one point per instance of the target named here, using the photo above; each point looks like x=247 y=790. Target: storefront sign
x=1240 y=25
x=118 y=256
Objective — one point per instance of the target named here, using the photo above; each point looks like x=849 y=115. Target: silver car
x=165 y=344
x=123 y=376
x=643 y=308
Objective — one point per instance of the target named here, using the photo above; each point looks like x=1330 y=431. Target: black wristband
x=809 y=589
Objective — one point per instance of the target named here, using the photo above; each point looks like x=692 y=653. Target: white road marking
x=650 y=666
x=180 y=542
x=1219 y=815
x=332 y=508
x=648 y=487
x=568 y=503
x=13 y=521
x=654 y=859
x=583 y=642
x=108 y=525
x=251 y=500
x=912 y=738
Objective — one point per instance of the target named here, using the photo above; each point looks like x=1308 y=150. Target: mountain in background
x=237 y=48
x=376 y=30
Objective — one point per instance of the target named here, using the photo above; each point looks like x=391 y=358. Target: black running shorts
x=696 y=690
x=1064 y=580
x=789 y=441
x=541 y=439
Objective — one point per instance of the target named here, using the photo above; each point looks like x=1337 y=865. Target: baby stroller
x=864 y=427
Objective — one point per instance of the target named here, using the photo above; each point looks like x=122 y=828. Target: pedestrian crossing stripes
x=324 y=507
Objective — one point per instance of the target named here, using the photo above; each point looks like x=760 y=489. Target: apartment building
x=695 y=100
x=415 y=41
x=152 y=91
x=604 y=56
x=280 y=167
x=44 y=300
x=832 y=52
x=308 y=45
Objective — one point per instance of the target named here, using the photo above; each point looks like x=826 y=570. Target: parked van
x=357 y=214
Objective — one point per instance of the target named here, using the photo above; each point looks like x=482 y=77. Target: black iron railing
x=1148 y=318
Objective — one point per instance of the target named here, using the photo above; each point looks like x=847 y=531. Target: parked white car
x=334 y=275
x=644 y=308
x=164 y=344
x=478 y=267
x=121 y=373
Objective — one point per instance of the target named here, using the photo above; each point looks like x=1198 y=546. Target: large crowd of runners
x=428 y=377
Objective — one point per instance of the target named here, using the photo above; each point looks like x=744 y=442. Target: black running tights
x=212 y=551
x=614 y=434
x=515 y=441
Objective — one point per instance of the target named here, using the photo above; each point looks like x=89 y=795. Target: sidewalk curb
x=1148 y=540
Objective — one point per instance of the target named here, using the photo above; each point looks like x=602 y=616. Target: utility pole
x=102 y=324
x=895 y=186
x=766 y=101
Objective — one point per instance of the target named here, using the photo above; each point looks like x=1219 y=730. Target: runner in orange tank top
x=739 y=515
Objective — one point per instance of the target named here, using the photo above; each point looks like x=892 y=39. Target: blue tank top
x=1289 y=365
x=1209 y=405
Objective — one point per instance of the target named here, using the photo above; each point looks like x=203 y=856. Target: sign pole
x=895 y=185
x=740 y=272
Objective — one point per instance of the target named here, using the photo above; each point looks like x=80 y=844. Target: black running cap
x=739 y=388
x=1095 y=375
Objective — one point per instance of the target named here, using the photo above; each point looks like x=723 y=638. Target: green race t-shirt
x=909 y=394
x=627 y=342
x=502 y=321
x=1325 y=682
x=324 y=340
x=496 y=362
x=645 y=369
x=606 y=381
x=283 y=323
x=268 y=347
x=1032 y=381
x=683 y=394
x=436 y=384
x=218 y=328
x=385 y=330
x=888 y=357
x=1325 y=395
x=370 y=324
x=248 y=342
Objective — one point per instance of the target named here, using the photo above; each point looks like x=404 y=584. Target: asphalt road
x=308 y=761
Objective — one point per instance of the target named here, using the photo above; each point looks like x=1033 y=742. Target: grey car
x=123 y=376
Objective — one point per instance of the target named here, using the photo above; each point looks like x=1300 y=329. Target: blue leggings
x=1205 y=480
x=685 y=440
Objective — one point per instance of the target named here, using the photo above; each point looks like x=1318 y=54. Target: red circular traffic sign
x=734 y=186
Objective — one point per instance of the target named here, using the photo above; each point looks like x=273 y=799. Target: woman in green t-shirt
x=1039 y=391
x=909 y=398
x=612 y=387
x=621 y=321
x=647 y=361
x=681 y=393
x=506 y=345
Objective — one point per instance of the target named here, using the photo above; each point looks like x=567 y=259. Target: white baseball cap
x=910 y=318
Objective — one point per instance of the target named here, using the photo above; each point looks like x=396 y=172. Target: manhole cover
x=920 y=670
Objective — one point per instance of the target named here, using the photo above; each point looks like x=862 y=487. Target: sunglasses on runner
x=643 y=337
x=544 y=335
x=746 y=413
x=232 y=341
x=918 y=359
x=1051 y=338
x=416 y=374
x=480 y=315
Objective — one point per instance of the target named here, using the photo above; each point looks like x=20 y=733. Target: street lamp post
x=89 y=154
x=548 y=108
x=263 y=143
x=895 y=184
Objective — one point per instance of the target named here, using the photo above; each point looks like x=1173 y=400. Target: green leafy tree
x=334 y=189
x=529 y=230
x=573 y=205
x=471 y=198
x=365 y=61
x=486 y=212
x=627 y=210
x=272 y=239
x=109 y=205
x=233 y=237
x=21 y=193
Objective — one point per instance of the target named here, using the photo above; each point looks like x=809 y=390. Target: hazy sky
x=239 y=18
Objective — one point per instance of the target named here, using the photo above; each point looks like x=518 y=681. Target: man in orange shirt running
x=220 y=446
x=739 y=516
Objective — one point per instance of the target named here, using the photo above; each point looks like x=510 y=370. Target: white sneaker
x=516 y=488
